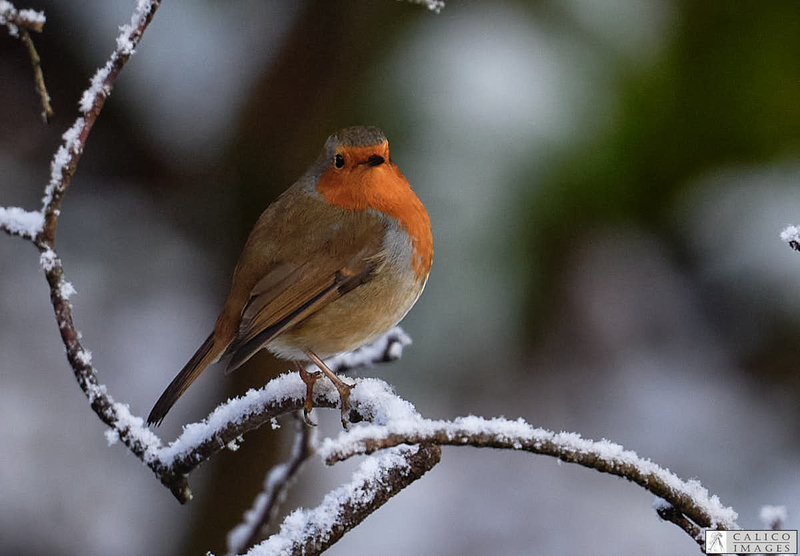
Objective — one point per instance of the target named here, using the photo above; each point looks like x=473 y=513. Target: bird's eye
x=338 y=161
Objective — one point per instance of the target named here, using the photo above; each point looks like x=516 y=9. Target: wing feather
x=290 y=293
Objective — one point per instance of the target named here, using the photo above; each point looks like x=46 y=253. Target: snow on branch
x=690 y=498
x=224 y=427
x=668 y=512
x=229 y=421
x=13 y=18
x=276 y=486
x=65 y=161
x=20 y=222
x=378 y=478
x=791 y=235
x=392 y=421
x=371 y=400
x=279 y=396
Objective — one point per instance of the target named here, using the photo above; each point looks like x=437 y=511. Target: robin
x=334 y=262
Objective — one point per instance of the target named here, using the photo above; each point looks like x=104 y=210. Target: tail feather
x=202 y=358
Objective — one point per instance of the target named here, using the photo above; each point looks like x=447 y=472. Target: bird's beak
x=375 y=160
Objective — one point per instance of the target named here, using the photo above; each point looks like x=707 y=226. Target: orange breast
x=385 y=189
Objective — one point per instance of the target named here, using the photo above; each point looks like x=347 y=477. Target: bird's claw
x=342 y=387
x=310 y=379
x=307 y=418
x=344 y=400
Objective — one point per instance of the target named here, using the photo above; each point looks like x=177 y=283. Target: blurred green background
x=606 y=181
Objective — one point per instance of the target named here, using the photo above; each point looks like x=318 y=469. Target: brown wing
x=291 y=292
x=299 y=257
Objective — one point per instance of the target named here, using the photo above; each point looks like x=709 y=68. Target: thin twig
x=668 y=512
x=41 y=229
x=20 y=23
x=126 y=427
x=66 y=159
x=276 y=487
x=13 y=18
x=38 y=76
x=311 y=532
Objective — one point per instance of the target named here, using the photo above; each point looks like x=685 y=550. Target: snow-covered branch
x=378 y=478
x=392 y=422
x=276 y=486
x=92 y=101
x=40 y=227
x=668 y=512
x=690 y=498
x=791 y=235
x=13 y=18
x=369 y=400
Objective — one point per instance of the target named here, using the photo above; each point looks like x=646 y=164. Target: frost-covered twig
x=124 y=426
x=92 y=101
x=689 y=497
x=40 y=227
x=791 y=235
x=668 y=512
x=19 y=24
x=38 y=76
x=379 y=477
x=369 y=400
x=172 y=464
x=276 y=486
x=20 y=222
x=13 y=18
x=65 y=161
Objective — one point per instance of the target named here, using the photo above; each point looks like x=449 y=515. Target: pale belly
x=355 y=319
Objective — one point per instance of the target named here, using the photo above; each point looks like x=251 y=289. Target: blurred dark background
x=606 y=182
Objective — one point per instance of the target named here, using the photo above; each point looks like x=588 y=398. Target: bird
x=333 y=263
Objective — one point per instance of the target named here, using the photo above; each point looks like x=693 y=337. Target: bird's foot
x=342 y=387
x=310 y=379
x=344 y=400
